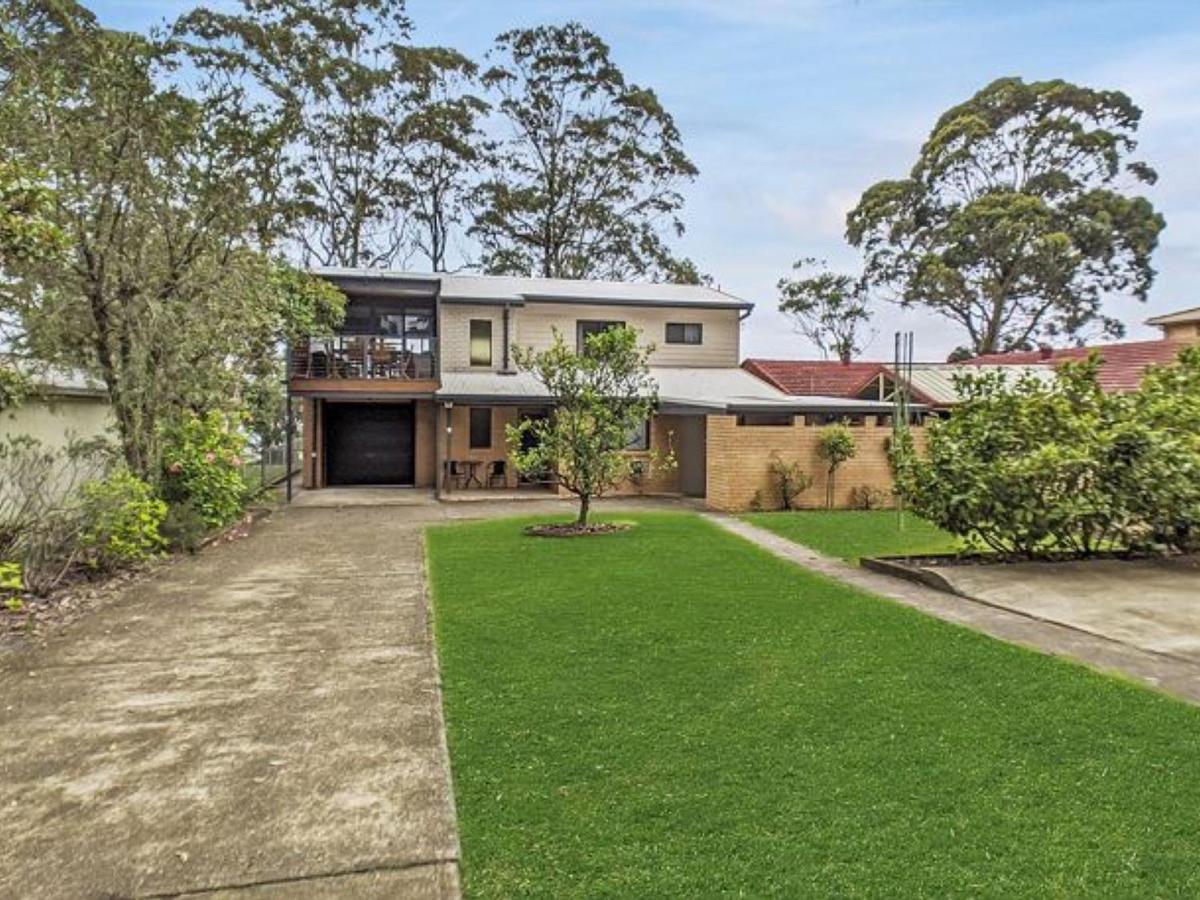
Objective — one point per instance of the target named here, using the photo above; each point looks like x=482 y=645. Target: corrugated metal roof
x=513 y=289
x=715 y=389
x=935 y=381
x=56 y=380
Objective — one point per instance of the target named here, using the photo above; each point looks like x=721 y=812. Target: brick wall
x=739 y=457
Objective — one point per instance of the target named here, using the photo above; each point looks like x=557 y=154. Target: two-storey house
x=418 y=386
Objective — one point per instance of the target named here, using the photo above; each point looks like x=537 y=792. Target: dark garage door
x=368 y=443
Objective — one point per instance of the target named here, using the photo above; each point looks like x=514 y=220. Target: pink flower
x=210 y=457
x=235 y=461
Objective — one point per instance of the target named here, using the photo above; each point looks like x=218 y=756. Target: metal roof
x=936 y=381
x=56 y=381
x=487 y=289
x=1177 y=318
x=700 y=390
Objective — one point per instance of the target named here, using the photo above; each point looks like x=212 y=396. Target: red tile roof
x=826 y=378
x=1122 y=365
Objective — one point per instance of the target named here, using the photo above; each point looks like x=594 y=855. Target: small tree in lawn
x=602 y=396
x=836 y=446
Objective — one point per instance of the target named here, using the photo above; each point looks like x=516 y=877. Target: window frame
x=474 y=419
x=643 y=439
x=685 y=329
x=766 y=420
x=471 y=339
x=581 y=324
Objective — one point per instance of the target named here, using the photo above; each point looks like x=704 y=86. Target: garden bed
x=574 y=529
x=80 y=593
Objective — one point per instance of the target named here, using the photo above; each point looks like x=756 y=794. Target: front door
x=369 y=443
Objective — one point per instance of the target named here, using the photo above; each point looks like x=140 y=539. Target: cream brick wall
x=720 y=347
x=739 y=457
x=454 y=336
x=533 y=326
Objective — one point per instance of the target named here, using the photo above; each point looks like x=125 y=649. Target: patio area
x=1150 y=604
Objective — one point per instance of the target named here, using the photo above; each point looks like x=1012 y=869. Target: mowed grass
x=853 y=534
x=672 y=712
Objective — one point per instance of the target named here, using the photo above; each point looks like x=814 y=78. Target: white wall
x=533 y=325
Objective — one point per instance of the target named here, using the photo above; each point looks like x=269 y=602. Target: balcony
x=358 y=357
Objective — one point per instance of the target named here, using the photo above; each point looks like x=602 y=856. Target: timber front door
x=369 y=443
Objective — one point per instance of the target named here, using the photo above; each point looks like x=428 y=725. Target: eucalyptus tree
x=441 y=146
x=163 y=292
x=1019 y=217
x=586 y=182
x=318 y=85
x=828 y=308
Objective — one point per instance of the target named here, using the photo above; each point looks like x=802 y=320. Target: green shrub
x=184 y=528
x=122 y=520
x=791 y=480
x=864 y=496
x=202 y=460
x=1028 y=467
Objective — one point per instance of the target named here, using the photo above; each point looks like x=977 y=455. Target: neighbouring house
x=933 y=385
x=418 y=386
x=1122 y=364
x=64 y=405
x=930 y=385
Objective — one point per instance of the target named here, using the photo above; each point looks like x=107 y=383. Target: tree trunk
x=585 y=501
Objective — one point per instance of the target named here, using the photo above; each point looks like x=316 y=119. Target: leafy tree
x=162 y=293
x=587 y=183
x=441 y=148
x=601 y=397
x=835 y=446
x=26 y=232
x=1012 y=222
x=355 y=129
x=828 y=308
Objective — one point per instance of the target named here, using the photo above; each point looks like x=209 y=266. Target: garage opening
x=369 y=443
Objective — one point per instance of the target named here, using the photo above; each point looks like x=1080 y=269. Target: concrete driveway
x=264 y=718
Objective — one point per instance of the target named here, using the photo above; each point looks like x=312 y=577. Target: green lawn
x=853 y=534
x=671 y=712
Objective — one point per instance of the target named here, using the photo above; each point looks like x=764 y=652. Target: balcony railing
x=372 y=356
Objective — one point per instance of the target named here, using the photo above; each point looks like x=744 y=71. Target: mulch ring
x=574 y=529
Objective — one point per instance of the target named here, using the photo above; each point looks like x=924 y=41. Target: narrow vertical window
x=481 y=427
x=481 y=342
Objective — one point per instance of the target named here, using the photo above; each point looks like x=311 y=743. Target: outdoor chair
x=456 y=474
x=497 y=473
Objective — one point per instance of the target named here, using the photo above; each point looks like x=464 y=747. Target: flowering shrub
x=202 y=457
x=123 y=519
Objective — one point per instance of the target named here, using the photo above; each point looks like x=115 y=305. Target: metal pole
x=289 y=422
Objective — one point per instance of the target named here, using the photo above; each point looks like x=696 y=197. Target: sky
x=792 y=108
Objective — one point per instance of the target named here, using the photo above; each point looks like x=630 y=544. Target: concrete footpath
x=1172 y=674
x=263 y=719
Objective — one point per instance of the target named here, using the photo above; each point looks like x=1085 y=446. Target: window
x=481 y=427
x=481 y=342
x=685 y=333
x=639 y=437
x=586 y=327
x=773 y=420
